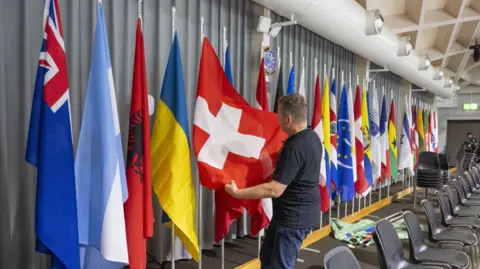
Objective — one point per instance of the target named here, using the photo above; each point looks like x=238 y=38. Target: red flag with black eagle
x=138 y=207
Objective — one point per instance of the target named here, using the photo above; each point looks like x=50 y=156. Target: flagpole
x=354 y=138
x=174 y=11
x=316 y=74
x=223 y=48
x=328 y=179
x=364 y=88
x=200 y=196
x=373 y=179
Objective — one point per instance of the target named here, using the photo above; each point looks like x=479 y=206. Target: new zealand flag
x=50 y=149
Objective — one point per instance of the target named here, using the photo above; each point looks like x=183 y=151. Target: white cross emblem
x=224 y=135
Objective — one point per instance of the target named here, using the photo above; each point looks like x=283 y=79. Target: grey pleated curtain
x=20 y=40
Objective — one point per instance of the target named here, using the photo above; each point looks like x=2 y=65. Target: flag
x=405 y=155
x=231 y=139
x=228 y=69
x=301 y=88
x=430 y=131
x=291 y=81
x=345 y=185
x=99 y=165
x=435 y=131
x=375 y=137
x=172 y=178
x=367 y=142
x=333 y=134
x=425 y=125
x=261 y=220
x=420 y=131
x=317 y=126
x=414 y=138
x=279 y=92
x=361 y=185
x=50 y=149
x=138 y=208
x=384 y=148
x=351 y=121
x=392 y=141
x=262 y=97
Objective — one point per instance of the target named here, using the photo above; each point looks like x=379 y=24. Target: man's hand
x=232 y=188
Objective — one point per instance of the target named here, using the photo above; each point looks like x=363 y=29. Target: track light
x=405 y=46
x=448 y=82
x=425 y=63
x=438 y=75
x=375 y=22
x=265 y=26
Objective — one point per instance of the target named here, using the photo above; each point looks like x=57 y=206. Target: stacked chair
x=444 y=166
x=467 y=158
x=428 y=174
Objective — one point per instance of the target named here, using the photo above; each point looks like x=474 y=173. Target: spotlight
x=424 y=63
x=264 y=24
x=438 y=75
x=448 y=82
x=274 y=31
x=375 y=22
x=457 y=87
x=404 y=46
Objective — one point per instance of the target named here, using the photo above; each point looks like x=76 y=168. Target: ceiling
x=441 y=29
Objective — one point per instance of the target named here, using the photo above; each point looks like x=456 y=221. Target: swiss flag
x=232 y=140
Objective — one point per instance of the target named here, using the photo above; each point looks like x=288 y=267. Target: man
x=469 y=144
x=294 y=187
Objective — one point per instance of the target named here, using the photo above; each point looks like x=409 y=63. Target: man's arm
x=272 y=189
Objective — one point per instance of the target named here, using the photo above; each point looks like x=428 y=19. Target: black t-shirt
x=298 y=167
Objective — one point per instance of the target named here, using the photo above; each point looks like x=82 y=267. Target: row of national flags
x=94 y=210
x=360 y=147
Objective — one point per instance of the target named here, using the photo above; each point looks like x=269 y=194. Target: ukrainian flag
x=172 y=178
x=366 y=140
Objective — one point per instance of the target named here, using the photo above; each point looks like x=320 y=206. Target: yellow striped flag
x=172 y=178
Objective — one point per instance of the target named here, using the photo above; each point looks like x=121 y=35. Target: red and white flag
x=231 y=139
x=361 y=185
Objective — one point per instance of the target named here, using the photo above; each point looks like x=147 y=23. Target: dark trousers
x=281 y=246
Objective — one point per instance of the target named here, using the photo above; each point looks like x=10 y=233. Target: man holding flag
x=294 y=187
x=99 y=165
x=50 y=149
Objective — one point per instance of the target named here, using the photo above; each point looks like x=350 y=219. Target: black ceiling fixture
x=476 y=50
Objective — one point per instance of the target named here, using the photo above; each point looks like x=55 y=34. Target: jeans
x=281 y=246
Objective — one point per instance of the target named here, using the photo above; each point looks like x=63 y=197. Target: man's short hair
x=469 y=133
x=294 y=105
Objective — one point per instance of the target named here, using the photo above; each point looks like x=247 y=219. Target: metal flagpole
x=373 y=179
x=317 y=73
x=338 y=193
x=353 y=138
x=223 y=48
x=328 y=179
x=174 y=11
x=200 y=196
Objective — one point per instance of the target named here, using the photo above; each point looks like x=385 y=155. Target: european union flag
x=345 y=161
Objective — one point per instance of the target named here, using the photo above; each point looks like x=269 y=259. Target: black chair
x=422 y=254
x=339 y=258
x=471 y=186
x=428 y=174
x=462 y=195
x=441 y=234
x=459 y=210
x=389 y=248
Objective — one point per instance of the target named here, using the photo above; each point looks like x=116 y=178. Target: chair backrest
x=476 y=174
x=444 y=208
x=428 y=160
x=340 y=257
x=452 y=199
x=462 y=195
x=469 y=180
x=443 y=161
x=415 y=234
x=433 y=223
x=388 y=245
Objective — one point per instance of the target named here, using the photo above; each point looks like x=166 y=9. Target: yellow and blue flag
x=172 y=179
x=346 y=185
x=367 y=161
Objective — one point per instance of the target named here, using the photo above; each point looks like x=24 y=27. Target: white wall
x=456 y=113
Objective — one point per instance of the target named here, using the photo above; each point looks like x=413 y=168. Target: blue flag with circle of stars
x=346 y=185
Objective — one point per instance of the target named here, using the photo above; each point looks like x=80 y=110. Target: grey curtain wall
x=20 y=40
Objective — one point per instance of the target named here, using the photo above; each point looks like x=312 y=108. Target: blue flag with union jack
x=50 y=149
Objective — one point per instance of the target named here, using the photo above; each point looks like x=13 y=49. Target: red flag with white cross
x=232 y=140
